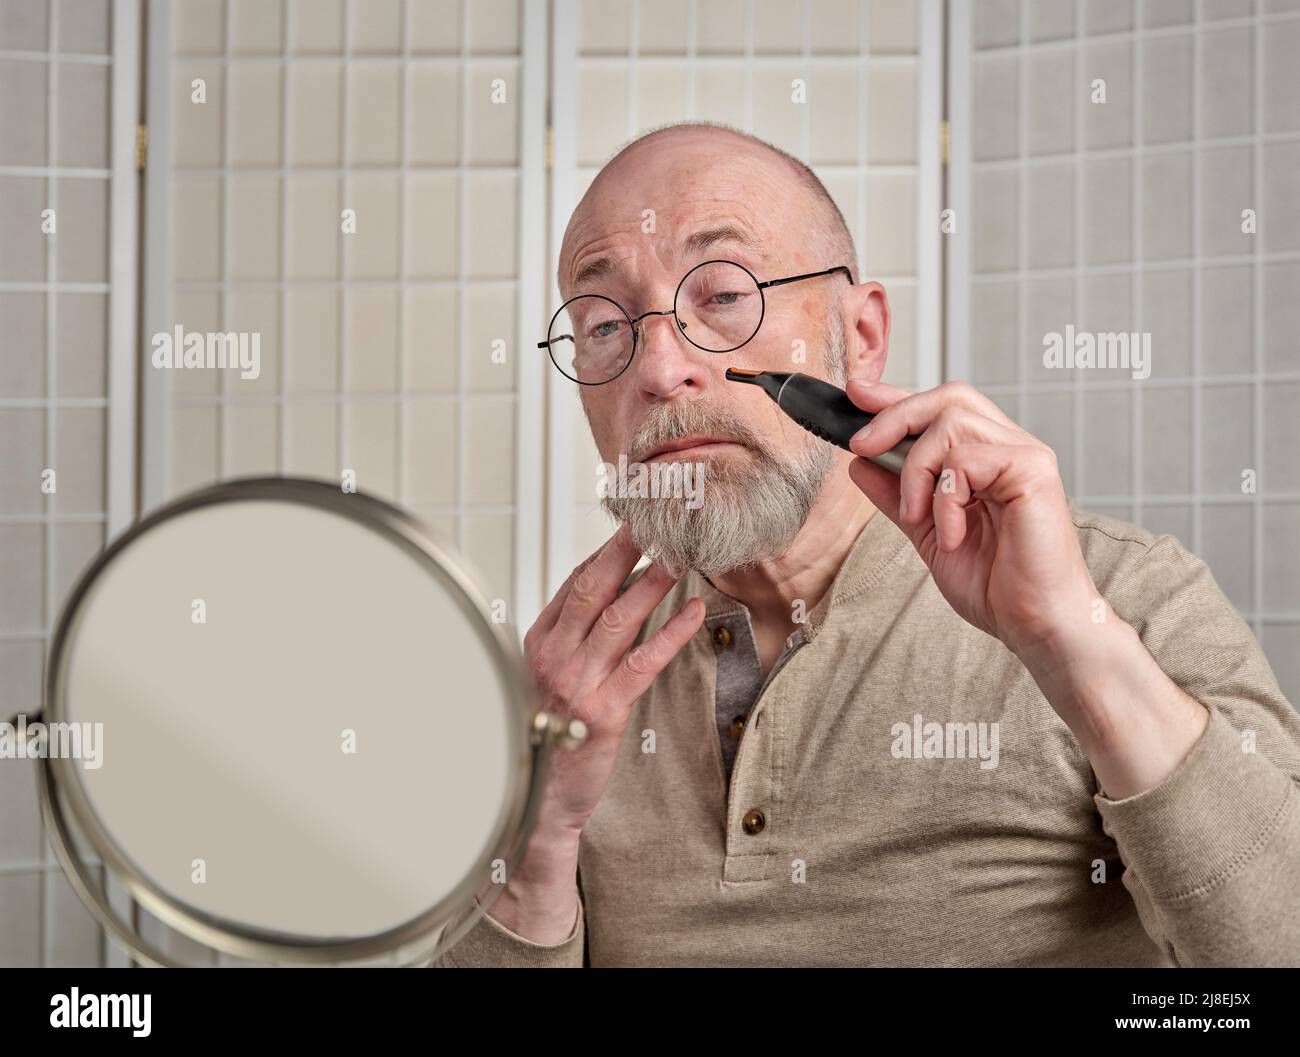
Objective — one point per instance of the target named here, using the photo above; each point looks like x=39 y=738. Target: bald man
x=849 y=718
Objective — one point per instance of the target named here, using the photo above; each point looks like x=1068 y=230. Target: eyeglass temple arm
x=811 y=275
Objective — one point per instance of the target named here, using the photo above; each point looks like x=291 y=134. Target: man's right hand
x=580 y=656
x=583 y=666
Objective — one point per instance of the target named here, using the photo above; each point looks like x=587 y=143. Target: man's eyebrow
x=710 y=237
x=597 y=269
x=695 y=243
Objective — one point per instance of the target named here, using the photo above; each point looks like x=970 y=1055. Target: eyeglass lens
x=719 y=308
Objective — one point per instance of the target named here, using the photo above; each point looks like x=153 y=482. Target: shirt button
x=737 y=725
x=722 y=636
x=753 y=822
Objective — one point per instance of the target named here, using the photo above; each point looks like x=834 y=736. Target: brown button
x=753 y=822
x=737 y=725
x=722 y=636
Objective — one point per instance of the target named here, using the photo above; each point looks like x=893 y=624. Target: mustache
x=669 y=422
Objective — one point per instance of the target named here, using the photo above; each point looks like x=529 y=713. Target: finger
x=966 y=395
x=954 y=425
x=878 y=485
x=592 y=590
x=952 y=495
x=641 y=666
x=998 y=474
x=1004 y=473
x=913 y=415
x=622 y=619
x=550 y=614
x=874 y=396
x=882 y=488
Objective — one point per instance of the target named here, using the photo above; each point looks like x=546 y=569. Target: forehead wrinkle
x=705 y=238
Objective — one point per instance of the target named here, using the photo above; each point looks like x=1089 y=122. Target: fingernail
x=902 y=508
x=861 y=435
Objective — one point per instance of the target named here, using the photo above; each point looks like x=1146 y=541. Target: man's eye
x=605 y=330
x=726 y=299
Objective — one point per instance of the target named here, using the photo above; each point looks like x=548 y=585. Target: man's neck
x=775 y=591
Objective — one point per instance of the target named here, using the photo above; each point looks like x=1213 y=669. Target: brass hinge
x=550 y=149
x=945 y=135
x=141 y=147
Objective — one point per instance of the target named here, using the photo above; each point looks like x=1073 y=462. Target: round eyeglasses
x=718 y=307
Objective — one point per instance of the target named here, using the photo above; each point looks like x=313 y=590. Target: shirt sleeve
x=490 y=945
x=1212 y=854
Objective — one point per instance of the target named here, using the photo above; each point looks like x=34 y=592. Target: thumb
x=878 y=485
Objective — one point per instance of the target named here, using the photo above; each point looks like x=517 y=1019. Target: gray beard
x=753 y=505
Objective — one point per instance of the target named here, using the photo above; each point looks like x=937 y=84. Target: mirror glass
x=306 y=729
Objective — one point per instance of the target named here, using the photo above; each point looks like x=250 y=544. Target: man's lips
x=689 y=446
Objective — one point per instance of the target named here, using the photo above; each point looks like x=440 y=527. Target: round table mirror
x=313 y=743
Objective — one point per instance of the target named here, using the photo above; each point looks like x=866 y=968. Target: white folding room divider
x=1132 y=216
x=69 y=85
x=359 y=182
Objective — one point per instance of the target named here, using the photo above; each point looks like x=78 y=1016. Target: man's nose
x=667 y=360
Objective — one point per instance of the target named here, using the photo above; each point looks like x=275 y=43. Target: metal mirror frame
x=534 y=736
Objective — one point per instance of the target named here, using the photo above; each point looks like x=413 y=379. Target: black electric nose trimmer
x=822 y=409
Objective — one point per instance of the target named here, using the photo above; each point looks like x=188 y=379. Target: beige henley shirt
x=841 y=838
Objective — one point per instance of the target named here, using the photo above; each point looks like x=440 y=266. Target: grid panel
x=388 y=348
x=624 y=68
x=1126 y=217
x=387 y=332
x=56 y=66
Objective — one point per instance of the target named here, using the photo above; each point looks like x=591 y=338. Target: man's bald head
x=826 y=235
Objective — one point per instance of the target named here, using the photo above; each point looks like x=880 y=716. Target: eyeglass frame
x=634 y=324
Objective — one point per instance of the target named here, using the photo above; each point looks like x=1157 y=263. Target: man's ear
x=867 y=331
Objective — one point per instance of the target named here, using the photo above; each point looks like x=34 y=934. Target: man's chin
x=685 y=539
x=730 y=521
